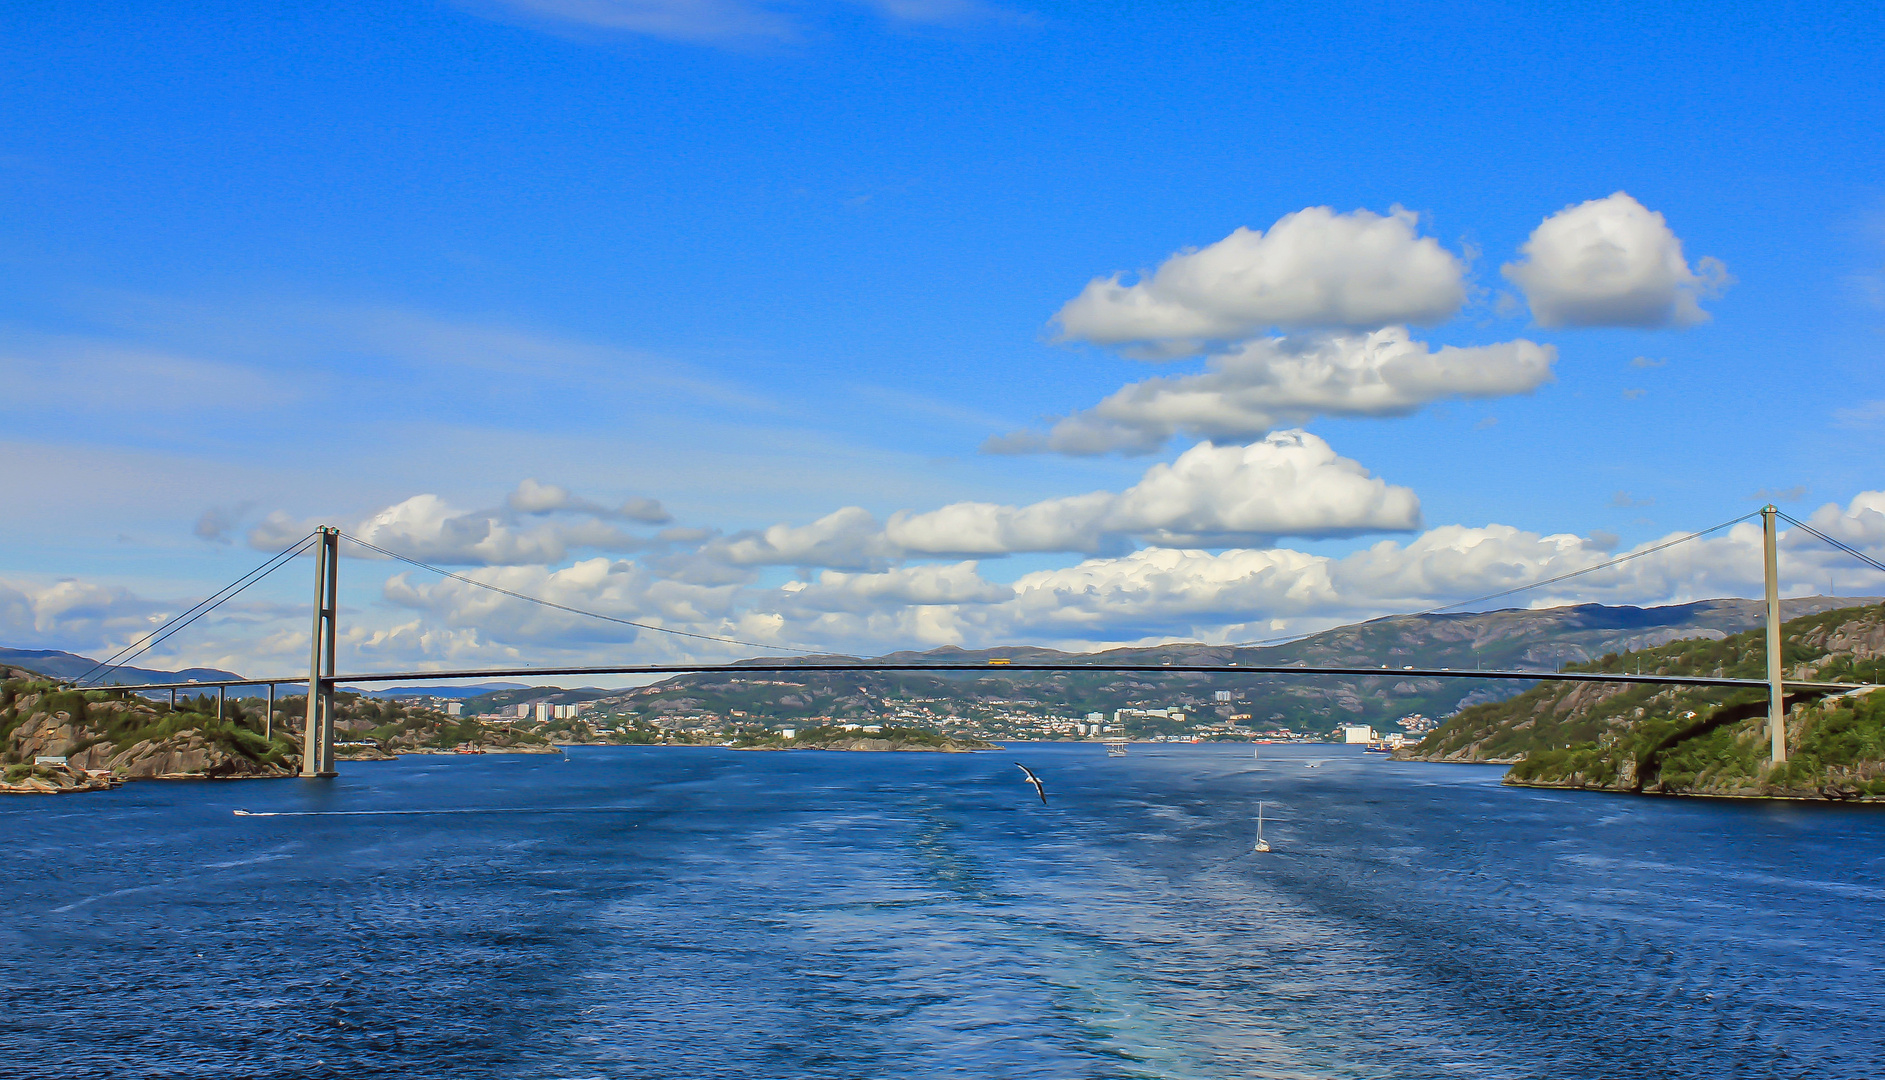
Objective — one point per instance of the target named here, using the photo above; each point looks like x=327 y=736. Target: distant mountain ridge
x=439 y=690
x=65 y=665
x=1541 y=639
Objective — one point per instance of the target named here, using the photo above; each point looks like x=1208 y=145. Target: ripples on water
x=653 y=912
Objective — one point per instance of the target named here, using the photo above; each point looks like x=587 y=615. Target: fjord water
x=656 y=912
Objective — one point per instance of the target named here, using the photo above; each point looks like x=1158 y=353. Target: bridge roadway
x=752 y=668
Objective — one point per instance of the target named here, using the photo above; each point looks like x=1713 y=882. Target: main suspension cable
x=573 y=610
x=1620 y=560
x=1848 y=549
x=212 y=602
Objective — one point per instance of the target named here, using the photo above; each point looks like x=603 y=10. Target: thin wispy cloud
x=716 y=22
x=1791 y=494
x=729 y=23
x=151 y=350
x=1864 y=415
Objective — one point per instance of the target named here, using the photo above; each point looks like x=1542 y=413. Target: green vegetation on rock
x=111 y=731
x=1696 y=740
x=124 y=736
x=399 y=727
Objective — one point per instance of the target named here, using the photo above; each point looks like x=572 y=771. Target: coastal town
x=590 y=716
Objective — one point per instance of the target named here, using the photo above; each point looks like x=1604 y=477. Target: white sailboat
x=1262 y=844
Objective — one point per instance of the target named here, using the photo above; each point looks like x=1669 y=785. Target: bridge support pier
x=317 y=742
x=1776 y=696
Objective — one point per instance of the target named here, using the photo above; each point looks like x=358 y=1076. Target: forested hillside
x=1693 y=740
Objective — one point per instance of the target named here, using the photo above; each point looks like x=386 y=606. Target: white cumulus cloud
x=1244 y=594
x=1313 y=268
x=615 y=587
x=848 y=539
x=1153 y=594
x=1613 y=262
x=1270 y=382
x=427 y=528
x=97 y=620
x=924 y=585
x=1289 y=484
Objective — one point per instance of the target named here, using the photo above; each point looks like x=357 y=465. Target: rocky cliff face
x=1835 y=750
x=108 y=733
x=28 y=779
x=130 y=738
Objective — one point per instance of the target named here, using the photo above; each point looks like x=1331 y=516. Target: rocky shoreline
x=1835 y=793
x=55 y=739
x=878 y=746
x=473 y=749
x=1466 y=757
x=888 y=740
x=53 y=780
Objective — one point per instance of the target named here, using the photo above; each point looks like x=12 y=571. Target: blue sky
x=763 y=262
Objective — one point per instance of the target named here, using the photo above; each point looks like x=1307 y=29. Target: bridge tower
x=1776 y=697
x=317 y=741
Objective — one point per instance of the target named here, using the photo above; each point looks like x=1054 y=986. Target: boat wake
x=455 y=810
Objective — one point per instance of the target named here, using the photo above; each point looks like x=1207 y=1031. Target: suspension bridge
x=323 y=680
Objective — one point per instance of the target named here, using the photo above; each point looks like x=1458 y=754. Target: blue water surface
x=702 y=912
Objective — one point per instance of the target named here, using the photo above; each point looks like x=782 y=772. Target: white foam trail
x=74 y=905
x=464 y=810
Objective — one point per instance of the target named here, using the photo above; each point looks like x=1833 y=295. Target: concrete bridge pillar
x=1776 y=697
x=317 y=742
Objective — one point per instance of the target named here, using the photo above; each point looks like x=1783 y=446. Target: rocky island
x=1677 y=740
x=114 y=734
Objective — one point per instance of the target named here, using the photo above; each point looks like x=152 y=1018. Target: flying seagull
x=1035 y=780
